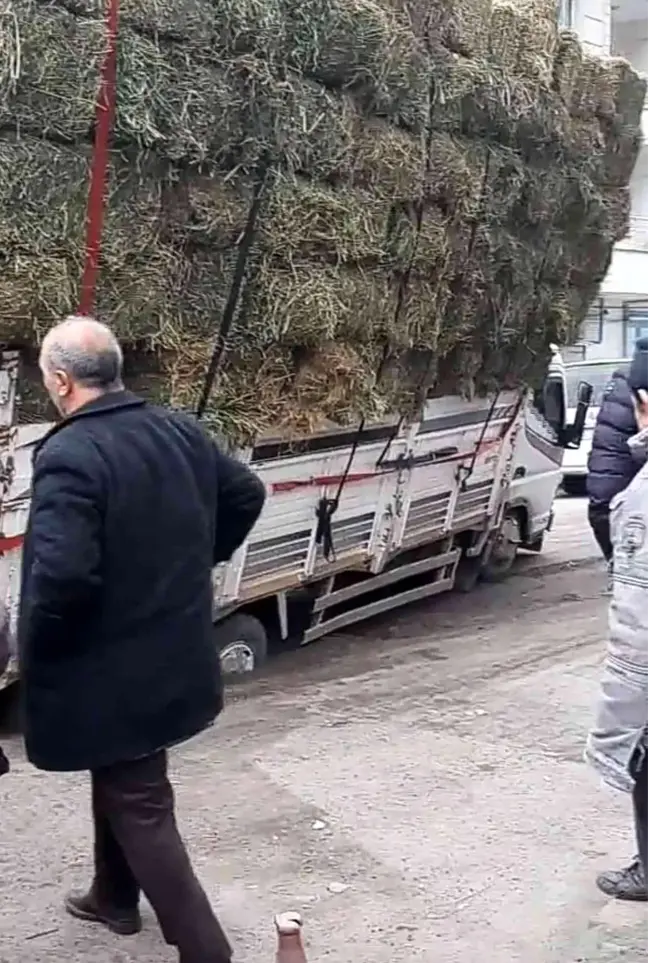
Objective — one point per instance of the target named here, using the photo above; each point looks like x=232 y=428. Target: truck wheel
x=536 y=545
x=242 y=644
x=574 y=485
x=501 y=556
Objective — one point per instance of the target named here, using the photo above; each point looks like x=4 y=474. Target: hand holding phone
x=640 y=397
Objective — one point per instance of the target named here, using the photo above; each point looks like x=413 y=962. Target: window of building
x=592 y=327
x=565 y=10
x=635 y=323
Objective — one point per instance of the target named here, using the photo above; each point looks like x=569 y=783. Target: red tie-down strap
x=105 y=117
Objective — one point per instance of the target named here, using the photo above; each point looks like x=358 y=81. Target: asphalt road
x=416 y=789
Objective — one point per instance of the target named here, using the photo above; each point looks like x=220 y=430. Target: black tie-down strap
x=327 y=507
x=245 y=247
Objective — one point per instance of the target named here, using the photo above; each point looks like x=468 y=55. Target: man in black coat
x=611 y=465
x=132 y=506
x=5 y=654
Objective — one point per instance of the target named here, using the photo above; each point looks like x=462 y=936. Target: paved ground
x=416 y=790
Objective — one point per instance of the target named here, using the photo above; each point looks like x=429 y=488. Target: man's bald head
x=80 y=360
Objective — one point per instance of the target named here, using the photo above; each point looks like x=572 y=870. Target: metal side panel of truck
x=416 y=504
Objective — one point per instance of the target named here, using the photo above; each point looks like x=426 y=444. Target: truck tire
x=242 y=644
x=501 y=555
x=536 y=545
x=574 y=485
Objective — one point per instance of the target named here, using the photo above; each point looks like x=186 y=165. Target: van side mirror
x=574 y=432
x=553 y=403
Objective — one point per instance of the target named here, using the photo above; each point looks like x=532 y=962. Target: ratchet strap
x=105 y=117
x=327 y=507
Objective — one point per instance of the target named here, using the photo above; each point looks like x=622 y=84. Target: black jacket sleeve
x=65 y=534
x=240 y=498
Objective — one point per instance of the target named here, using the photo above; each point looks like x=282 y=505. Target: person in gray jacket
x=617 y=746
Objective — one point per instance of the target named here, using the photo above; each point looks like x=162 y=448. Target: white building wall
x=591 y=19
x=620 y=27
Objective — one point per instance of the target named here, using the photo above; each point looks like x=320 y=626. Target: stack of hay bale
x=444 y=181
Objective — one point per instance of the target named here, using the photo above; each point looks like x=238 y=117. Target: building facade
x=620 y=315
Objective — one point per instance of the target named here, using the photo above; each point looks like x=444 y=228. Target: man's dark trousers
x=138 y=847
x=599 y=519
x=640 y=799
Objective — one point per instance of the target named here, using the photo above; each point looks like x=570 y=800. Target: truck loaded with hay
x=375 y=215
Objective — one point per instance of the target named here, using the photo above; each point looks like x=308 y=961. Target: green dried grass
x=34 y=294
x=360 y=45
x=308 y=303
x=458 y=247
x=465 y=26
x=386 y=160
x=524 y=38
x=568 y=65
x=482 y=100
x=340 y=226
x=539 y=35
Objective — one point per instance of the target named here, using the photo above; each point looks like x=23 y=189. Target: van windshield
x=597 y=375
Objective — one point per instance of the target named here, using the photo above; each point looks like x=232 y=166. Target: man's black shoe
x=122 y=922
x=628 y=884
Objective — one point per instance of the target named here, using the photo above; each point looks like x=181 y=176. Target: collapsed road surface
x=415 y=789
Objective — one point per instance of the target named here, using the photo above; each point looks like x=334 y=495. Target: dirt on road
x=415 y=789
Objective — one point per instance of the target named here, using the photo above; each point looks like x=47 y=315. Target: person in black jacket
x=132 y=506
x=5 y=654
x=611 y=465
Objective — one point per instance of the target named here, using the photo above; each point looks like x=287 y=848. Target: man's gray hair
x=86 y=350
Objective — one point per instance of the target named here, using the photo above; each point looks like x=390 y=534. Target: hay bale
x=505 y=33
x=523 y=38
x=628 y=90
x=207 y=210
x=425 y=244
x=304 y=127
x=360 y=45
x=465 y=26
x=455 y=179
x=387 y=160
x=229 y=26
x=169 y=102
x=336 y=225
x=481 y=99
x=442 y=178
x=309 y=302
x=539 y=30
x=568 y=65
x=186 y=20
x=43 y=192
x=621 y=149
x=35 y=293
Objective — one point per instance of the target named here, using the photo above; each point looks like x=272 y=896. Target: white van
x=598 y=374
